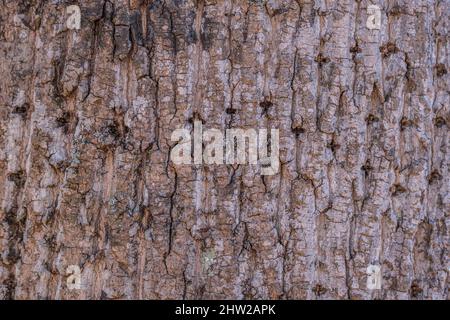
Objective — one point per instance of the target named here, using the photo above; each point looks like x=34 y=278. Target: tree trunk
x=87 y=180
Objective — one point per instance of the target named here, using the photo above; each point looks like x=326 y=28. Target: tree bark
x=85 y=136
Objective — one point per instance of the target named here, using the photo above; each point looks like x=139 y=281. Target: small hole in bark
x=416 y=290
x=355 y=49
x=388 y=49
x=278 y=11
x=441 y=70
x=18 y=178
x=439 y=122
x=104 y=296
x=333 y=145
x=265 y=105
x=50 y=241
x=230 y=110
x=319 y=290
x=434 y=176
x=405 y=123
x=321 y=59
x=298 y=131
x=10 y=216
x=13 y=255
x=23 y=109
x=371 y=119
x=396 y=11
x=397 y=189
x=10 y=285
x=63 y=120
x=113 y=130
x=366 y=168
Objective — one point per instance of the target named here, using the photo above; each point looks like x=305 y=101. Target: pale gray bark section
x=85 y=126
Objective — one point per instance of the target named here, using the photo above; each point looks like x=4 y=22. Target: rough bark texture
x=85 y=126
